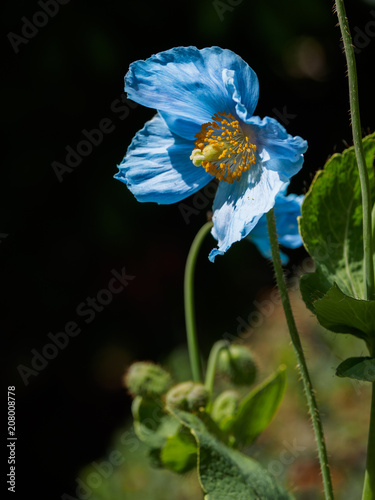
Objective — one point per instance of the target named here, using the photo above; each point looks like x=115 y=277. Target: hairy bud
x=188 y=396
x=147 y=379
x=237 y=363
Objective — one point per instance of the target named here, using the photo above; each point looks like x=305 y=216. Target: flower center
x=222 y=148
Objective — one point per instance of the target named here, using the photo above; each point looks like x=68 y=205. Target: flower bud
x=188 y=396
x=224 y=409
x=147 y=379
x=237 y=363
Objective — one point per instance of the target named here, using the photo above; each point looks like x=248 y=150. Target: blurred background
x=64 y=237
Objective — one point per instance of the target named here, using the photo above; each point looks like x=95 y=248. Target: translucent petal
x=157 y=167
x=192 y=83
x=239 y=206
x=278 y=150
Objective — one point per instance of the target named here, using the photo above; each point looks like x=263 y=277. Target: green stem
x=369 y=482
x=302 y=366
x=358 y=147
x=191 y=330
x=373 y=225
x=211 y=366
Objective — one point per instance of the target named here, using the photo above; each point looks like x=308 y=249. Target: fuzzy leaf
x=227 y=474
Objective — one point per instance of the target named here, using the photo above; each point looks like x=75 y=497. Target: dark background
x=59 y=241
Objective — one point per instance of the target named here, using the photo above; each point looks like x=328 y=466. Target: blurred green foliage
x=286 y=449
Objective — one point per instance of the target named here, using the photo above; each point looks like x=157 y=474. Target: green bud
x=237 y=363
x=147 y=379
x=188 y=396
x=224 y=409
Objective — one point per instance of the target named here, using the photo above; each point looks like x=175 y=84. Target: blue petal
x=157 y=167
x=182 y=127
x=287 y=209
x=192 y=83
x=244 y=89
x=278 y=150
x=239 y=206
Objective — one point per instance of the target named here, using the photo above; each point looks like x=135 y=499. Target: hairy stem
x=369 y=482
x=302 y=366
x=191 y=331
x=358 y=147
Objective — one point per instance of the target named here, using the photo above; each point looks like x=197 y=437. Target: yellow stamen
x=223 y=150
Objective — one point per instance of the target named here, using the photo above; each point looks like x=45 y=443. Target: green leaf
x=179 y=453
x=227 y=474
x=152 y=424
x=340 y=313
x=357 y=368
x=331 y=225
x=258 y=409
x=170 y=444
x=313 y=287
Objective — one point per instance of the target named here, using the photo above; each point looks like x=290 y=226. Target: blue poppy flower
x=287 y=209
x=205 y=128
